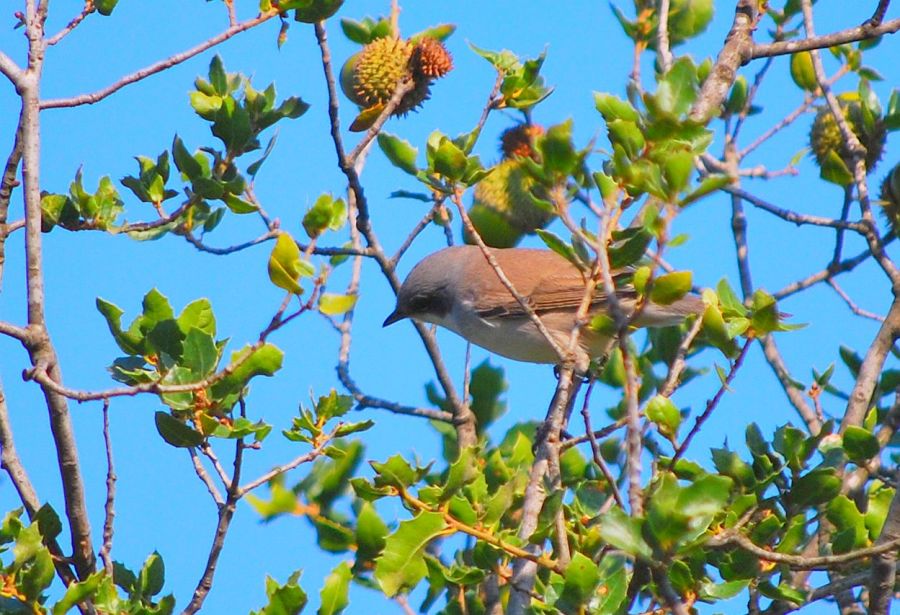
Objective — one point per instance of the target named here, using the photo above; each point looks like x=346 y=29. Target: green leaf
x=671 y=287
x=152 y=576
x=284 y=264
x=835 y=170
x=78 y=592
x=333 y=405
x=184 y=161
x=370 y=533
x=709 y=184
x=326 y=213
x=614 y=108
x=581 y=579
x=677 y=169
x=802 y=71
x=176 y=433
x=450 y=161
x=264 y=361
x=129 y=342
x=395 y=472
x=816 y=487
x=199 y=353
x=860 y=444
x=238 y=205
x=335 y=589
x=400 y=152
x=401 y=566
x=105 y=7
x=624 y=532
x=558 y=152
x=197 y=314
x=663 y=412
x=287 y=599
x=335 y=305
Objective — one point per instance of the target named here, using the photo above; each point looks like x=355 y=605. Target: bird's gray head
x=426 y=292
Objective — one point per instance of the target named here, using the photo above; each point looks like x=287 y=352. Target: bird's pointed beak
x=394 y=317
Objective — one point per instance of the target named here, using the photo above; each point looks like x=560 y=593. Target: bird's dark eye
x=419 y=304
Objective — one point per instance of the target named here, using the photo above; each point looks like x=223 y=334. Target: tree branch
x=870 y=370
x=850 y=35
x=178 y=58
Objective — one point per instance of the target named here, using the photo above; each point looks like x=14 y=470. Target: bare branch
x=850 y=35
x=712 y=403
x=799 y=562
x=87 y=10
x=178 y=58
x=852 y=305
x=109 y=507
x=663 y=50
x=884 y=564
x=10 y=69
x=678 y=364
x=12 y=465
x=870 y=370
x=595 y=447
x=7 y=185
x=857 y=154
x=793 y=216
x=204 y=476
x=464 y=419
x=827 y=273
x=794 y=395
x=737 y=50
x=278 y=470
x=226 y=513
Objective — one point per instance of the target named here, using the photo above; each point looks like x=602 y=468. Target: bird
x=457 y=288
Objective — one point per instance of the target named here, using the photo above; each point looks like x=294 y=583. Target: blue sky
x=161 y=505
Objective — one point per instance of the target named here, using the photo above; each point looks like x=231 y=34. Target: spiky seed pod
x=370 y=77
x=518 y=141
x=825 y=135
x=503 y=209
x=430 y=59
x=890 y=199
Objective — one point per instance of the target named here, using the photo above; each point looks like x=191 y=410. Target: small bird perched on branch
x=457 y=288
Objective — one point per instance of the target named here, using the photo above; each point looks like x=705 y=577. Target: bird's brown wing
x=547 y=281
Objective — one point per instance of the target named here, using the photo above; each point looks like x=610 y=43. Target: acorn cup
x=890 y=199
x=370 y=77
x=504 y=208
x=825 y=136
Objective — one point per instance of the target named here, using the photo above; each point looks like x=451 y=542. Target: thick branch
x=870 y=370
x=736 y=51
x=884 y=565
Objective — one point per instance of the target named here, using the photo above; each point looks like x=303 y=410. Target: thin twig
x=109 y=506
x=178 y=58
x=464 y=419
x=278 y=470
x=793 y=216
x=852 y=305
x=595 y=447
x=87 y=10
x=712 y=403
x=798 y=562
x=204 y=476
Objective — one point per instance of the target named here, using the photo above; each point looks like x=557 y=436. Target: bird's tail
x=656 y=315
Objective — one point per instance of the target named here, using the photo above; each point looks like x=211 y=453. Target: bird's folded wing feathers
x=559 y=286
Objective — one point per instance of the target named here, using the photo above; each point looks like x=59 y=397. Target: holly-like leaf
x=401 y=565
